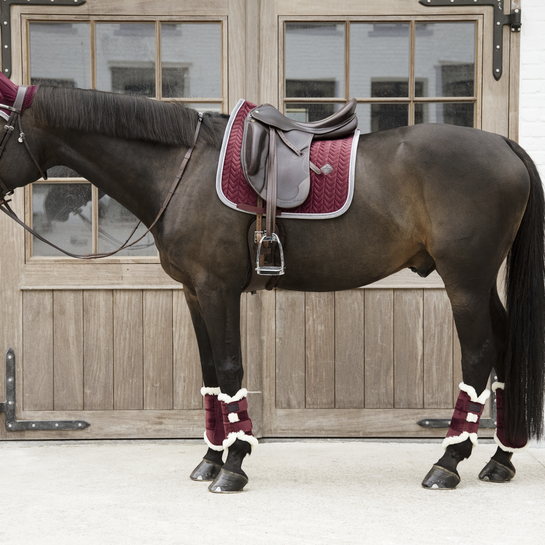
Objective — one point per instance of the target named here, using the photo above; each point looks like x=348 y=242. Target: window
x=402 y=72
x=155 y=59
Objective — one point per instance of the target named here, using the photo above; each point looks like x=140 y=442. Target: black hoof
x=495 y=472
x=205 y=471
x=440 y=478
x=228 y=482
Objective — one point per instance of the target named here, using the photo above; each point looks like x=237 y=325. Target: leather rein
x=9 y=127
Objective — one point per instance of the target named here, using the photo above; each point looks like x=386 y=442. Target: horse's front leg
x=220 y=308
x=214 y=434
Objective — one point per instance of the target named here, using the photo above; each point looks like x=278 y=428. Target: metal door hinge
x=8 y=407
x=500 y=20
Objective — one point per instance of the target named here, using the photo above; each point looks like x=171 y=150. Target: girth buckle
x=270 y=270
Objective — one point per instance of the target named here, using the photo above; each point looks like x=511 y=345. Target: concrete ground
x=304 y=492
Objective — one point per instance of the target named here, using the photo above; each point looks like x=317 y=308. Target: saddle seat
x=338 y=125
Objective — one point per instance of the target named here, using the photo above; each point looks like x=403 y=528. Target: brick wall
x=532 y=81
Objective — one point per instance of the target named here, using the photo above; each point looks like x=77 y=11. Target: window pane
x=115 y=224
x=125 y=58
x=62 y=214
x=314 y=60
x=453 y=113
x=379 y=60
x=312 y=112
x=445 y=59
x=60 y=54
x=191 y=60
x=381 y=117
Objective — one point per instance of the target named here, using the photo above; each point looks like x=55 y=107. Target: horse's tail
x=525 y=287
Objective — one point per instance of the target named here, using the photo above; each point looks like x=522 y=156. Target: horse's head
x=18 y=163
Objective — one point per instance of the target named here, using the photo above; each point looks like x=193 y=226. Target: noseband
x=9 y=127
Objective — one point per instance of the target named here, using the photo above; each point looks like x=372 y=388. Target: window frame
x=411 y=100
x=92 y=20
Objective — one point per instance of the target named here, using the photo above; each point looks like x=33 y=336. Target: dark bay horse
x=427 y=197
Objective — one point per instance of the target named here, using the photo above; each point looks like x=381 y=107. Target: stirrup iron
x=270 y=270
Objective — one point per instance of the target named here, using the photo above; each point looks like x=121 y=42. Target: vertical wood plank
x=38 y=351
x=379 y=353
x=158 y=371
x=98 y=350
x=186 y=360
x=244 y=336
x=409 y=349
x=290 y=350
x=320 y=350
x=128 y=364
x=438 y=389
x=349 y=349
x=68 y=350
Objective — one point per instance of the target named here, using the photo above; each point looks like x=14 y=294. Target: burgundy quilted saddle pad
x=330 y=194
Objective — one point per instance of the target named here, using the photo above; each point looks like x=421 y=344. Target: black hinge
x=5 y=19
x=8 y=407
x=500 y=19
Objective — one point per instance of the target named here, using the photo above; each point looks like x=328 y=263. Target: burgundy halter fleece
x=8 y=92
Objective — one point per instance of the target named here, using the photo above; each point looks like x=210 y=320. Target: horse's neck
x=132 y=172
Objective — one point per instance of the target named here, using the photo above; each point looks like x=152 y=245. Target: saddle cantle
x=275 y=160
x=291 y=145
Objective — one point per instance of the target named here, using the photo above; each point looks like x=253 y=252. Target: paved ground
x=334 y=492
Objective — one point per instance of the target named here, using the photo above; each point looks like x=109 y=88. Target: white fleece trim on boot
x=210 y=391
x=233 y=436
x=455 y=439
x=507 y=449
x=241 y=394
x=470 y=391
x=233 y=417
x=472 y=417
x=219 y=448
x=496 y=385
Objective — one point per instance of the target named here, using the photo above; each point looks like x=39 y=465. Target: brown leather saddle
x=275 y=159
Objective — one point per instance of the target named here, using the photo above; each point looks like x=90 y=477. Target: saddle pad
x=330 y=194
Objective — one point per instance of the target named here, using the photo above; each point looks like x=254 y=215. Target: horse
x=427 y=197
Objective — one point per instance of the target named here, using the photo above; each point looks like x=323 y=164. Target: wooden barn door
x=110 y=341
x=373 y=362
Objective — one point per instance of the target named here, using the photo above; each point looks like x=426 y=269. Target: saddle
x=275 y=159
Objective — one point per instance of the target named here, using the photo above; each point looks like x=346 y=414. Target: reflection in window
x=379 y=51
x=311 y=112
x=60 y=54
x=380 y=117
x=445 y=57
x=452 y=113
x=62 y=213
x=315 y=52
x=125 y=58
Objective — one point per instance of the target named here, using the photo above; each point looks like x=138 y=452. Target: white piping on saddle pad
x=289 y=215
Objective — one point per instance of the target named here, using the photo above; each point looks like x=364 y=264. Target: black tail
x=525 y=286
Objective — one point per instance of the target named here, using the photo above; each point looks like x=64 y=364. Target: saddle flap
x=292 y=159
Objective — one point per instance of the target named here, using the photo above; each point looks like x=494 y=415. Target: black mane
x=124 y=116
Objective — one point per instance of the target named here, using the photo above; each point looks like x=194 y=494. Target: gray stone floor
x=301 y=492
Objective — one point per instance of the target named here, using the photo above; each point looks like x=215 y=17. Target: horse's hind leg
x=214 y=435
x=500 y=468
x=471 y=310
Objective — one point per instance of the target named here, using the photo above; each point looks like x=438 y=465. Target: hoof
x=440 y=478
x=205 y=471
x=228 y=483
x=495 y=472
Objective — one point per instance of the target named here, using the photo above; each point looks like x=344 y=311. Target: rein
x=15 y=115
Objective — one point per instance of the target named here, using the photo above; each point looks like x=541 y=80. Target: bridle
x=9 y=127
